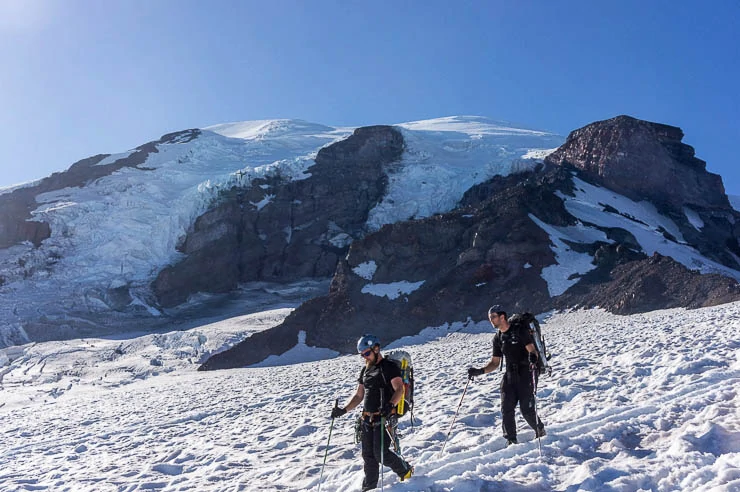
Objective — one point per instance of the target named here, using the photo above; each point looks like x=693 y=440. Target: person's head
x=368 y=346
x=497 y=315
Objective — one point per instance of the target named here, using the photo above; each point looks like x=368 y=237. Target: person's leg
x=508 y=406
x=368 y=457
x=527 y=406
x=389 y=458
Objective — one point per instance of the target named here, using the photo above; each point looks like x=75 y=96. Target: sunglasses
x=366 y=353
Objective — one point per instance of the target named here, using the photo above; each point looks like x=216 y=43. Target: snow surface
x=111 y=159
x=693 y=218
x=735 y=201
x=570 y=265
x=366 y=270
x=392 y=290
x=11 y=188
x=444 y=157
x=652 y=230
x=635 y=403
x=596 y=206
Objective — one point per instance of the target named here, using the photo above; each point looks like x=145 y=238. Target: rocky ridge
x=493 y=248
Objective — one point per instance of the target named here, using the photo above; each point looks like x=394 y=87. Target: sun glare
x=24 y=15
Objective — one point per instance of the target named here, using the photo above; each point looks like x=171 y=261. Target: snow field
x=642 y=402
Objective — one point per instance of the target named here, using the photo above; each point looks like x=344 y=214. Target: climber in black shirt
x=517 y=347
x=380 y=388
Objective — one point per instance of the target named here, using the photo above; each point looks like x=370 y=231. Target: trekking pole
x=326 y=451
x=455 y=417
x=536 y=413
x=382 y=449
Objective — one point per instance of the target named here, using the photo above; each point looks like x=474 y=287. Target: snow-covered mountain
x=114 y=222
x=641 y=402
x=447 y=213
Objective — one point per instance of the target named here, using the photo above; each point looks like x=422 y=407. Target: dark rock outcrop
x=300 y=229
x=648 y=161
x=647 y=284
x=643 y=161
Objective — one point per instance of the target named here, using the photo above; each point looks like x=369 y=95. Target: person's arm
x=356 y=398
x=492 y=365
x=532 y=354
x=398 y=390
x=497 y=355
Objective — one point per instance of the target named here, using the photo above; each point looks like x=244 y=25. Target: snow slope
x=604 y=208
x=642 y=402
x=121 y=230
x=735 y=201
x=444 y=157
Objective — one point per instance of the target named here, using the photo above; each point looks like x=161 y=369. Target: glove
x=386 y=410
x=474 y=371
x=337 y=412
x=532 y=358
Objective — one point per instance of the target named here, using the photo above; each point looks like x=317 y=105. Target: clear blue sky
x=81 y=77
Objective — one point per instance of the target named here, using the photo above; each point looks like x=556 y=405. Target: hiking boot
x=540 y=433
x=511 y=441
x=408 y=474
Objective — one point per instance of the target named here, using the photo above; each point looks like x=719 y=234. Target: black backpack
x=529 y=322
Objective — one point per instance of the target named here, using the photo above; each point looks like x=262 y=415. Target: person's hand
x=387 y=410
x=337 y=412
x=474 y=372
x=532 y=358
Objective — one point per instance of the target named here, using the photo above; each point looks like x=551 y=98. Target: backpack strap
x=382 y=373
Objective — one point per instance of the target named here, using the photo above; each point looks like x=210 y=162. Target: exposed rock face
x=648 y=161
x=642 y=160
x=647 y=284
x=16 y=206
x=281 y=230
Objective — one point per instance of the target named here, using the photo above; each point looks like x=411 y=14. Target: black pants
x=371 y=449
x=516 y=387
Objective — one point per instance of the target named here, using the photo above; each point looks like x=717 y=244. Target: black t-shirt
x=511 y=345
x=376 y=381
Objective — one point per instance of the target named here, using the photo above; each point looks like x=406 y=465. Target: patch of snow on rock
x=392 y=290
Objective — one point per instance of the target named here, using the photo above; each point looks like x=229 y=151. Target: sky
x=82 y=77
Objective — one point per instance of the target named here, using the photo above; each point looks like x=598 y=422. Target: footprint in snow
x=168 y=469
x=478 y=420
